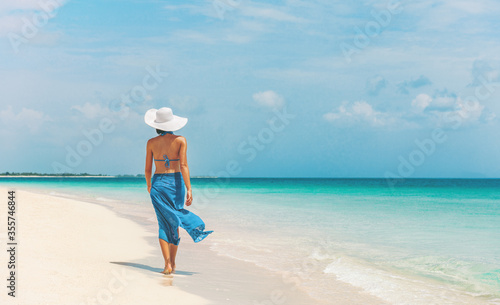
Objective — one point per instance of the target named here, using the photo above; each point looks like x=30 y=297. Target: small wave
x=52 y=193
x=397 y=288
x=105 y=199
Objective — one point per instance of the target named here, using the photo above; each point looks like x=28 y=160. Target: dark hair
x=159 y=131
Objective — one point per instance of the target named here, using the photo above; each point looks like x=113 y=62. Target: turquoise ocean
x=420 y=241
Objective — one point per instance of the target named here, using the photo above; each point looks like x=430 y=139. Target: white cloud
x=358 y=112
x=475 y=7
x=442 y=110
x=471 y=112
x=443 y=14
x=11 y=24
x=445 y=108
x=269 y=99
x=26 y=16
x=27 y=118
x=443 y=102
x=484 y=72
x=421 y=102
x=92 y=111
x=8 y=6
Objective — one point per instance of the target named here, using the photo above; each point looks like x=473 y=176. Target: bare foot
x=173 y=269
x=167 y=270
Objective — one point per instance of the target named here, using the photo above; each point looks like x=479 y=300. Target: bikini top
x=165 y=158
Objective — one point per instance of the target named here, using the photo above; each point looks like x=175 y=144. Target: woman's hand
x=189 y=198
x=149 y=189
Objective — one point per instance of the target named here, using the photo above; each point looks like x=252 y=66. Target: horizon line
x=4 y=175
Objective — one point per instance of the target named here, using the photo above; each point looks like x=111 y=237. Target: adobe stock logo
x=31 y=26
x=121 y=108
x=453 y=120
x=222 y=6
x=373 y=28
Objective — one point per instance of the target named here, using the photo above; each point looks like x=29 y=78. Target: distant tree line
x=65 y=174
x=41 y=174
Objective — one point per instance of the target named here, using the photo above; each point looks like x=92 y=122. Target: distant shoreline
x=214 y=177
x=54 y=176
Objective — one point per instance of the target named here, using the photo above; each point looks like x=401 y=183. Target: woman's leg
x=173 y=253
x=166 y=255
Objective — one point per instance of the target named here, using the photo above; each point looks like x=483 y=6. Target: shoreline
x=59 y=176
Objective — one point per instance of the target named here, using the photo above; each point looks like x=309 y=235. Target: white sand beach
x=65 y=255
x=75 y=252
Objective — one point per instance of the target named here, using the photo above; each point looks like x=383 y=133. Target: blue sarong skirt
x=167 y=195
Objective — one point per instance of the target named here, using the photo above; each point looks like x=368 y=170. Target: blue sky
x=271 y=89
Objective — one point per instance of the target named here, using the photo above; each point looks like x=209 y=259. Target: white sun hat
x=164 y=119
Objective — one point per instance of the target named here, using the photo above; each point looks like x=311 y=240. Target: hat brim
x=173 y=125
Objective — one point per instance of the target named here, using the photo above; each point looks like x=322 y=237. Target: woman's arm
x=149 y=165
x=185 y=170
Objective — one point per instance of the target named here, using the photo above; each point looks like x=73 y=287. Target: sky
x=394 y=89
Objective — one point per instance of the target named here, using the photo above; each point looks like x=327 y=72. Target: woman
x=167 y=186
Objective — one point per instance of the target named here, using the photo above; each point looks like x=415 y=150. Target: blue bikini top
x=165 y=158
